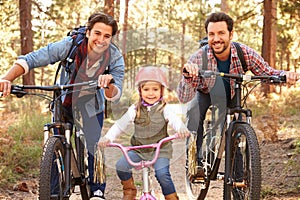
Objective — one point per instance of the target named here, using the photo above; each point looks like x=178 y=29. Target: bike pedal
x=199 y=180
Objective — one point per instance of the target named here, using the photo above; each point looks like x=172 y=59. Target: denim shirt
x=58 y=51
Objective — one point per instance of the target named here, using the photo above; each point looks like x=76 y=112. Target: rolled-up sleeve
x=117 y=70
x=49 y=54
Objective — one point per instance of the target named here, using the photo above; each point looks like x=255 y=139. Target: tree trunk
x=269 y=37
x=109 y=7
x=182 y=43
x=125 y=29
x=26 y=36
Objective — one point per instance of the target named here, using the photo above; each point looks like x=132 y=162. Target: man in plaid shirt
x=222 y=56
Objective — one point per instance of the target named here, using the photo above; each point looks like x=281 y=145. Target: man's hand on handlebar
x=292 y=77
x=190 y=70
x=5 y=87
x=104 y=80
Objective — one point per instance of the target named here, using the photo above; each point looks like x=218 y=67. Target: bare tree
x=26 y=36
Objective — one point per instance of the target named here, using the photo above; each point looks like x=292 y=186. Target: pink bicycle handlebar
x=143 y=163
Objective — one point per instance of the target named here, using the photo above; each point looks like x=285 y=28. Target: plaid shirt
x=187 y=87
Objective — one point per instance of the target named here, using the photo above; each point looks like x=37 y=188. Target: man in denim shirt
x=95 y=55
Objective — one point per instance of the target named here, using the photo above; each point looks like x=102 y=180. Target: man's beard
x=222 y=50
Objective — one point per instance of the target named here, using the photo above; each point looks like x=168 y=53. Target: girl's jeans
x=161 y=167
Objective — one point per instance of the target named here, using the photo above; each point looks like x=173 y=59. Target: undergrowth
x=22 y=144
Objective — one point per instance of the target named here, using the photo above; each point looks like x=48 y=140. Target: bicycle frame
x=144 y=164
x=226 y=133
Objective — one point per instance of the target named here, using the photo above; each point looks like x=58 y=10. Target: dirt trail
x=277 y=174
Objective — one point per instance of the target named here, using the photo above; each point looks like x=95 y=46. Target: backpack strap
x=78 y=35
x=239 y=52
x=204 y=57
x=241 y=55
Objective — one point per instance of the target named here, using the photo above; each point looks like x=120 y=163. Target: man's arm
x=5 y=82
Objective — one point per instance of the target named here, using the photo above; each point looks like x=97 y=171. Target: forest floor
x=280 y=166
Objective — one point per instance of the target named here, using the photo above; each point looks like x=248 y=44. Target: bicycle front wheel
x=52 y=176
x=244 y=178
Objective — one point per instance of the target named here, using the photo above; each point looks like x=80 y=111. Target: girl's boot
x=129 y=189
x=172 y=196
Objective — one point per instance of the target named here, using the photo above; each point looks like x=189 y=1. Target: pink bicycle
x=144 y=165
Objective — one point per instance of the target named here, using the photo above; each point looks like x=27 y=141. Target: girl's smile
x=151 y=92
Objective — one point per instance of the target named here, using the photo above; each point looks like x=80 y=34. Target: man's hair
x=104 y=18
x=220 y=17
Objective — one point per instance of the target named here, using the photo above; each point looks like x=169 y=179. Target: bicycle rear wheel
x=196 y=186
x=52 y=175
x=245 y=168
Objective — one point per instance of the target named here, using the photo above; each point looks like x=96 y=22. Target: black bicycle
x=230 y=132
x=64 y=159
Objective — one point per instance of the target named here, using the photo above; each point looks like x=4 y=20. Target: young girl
x=150 y=117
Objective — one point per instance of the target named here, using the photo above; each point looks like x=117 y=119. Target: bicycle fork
x=146 y=191
x=69 y=161
x=228 y=148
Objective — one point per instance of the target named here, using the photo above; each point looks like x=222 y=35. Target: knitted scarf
x=79 y=74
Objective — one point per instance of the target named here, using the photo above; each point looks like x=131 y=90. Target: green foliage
x=9 y=33
x=156 y=30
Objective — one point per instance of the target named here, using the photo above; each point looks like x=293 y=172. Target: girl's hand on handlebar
x=5 y=87
x=103 y=142
x=183 y=133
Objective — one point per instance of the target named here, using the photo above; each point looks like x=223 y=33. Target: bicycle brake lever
x=18 y=93
x=202 y=73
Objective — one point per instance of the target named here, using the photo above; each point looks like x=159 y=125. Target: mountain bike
x=230 y=133
x=64 y=158
x=144 y=165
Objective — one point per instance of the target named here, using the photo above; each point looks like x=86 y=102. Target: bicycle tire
x=247 y=169
x=52 y=176
x=195 y=188
x=83 y=167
